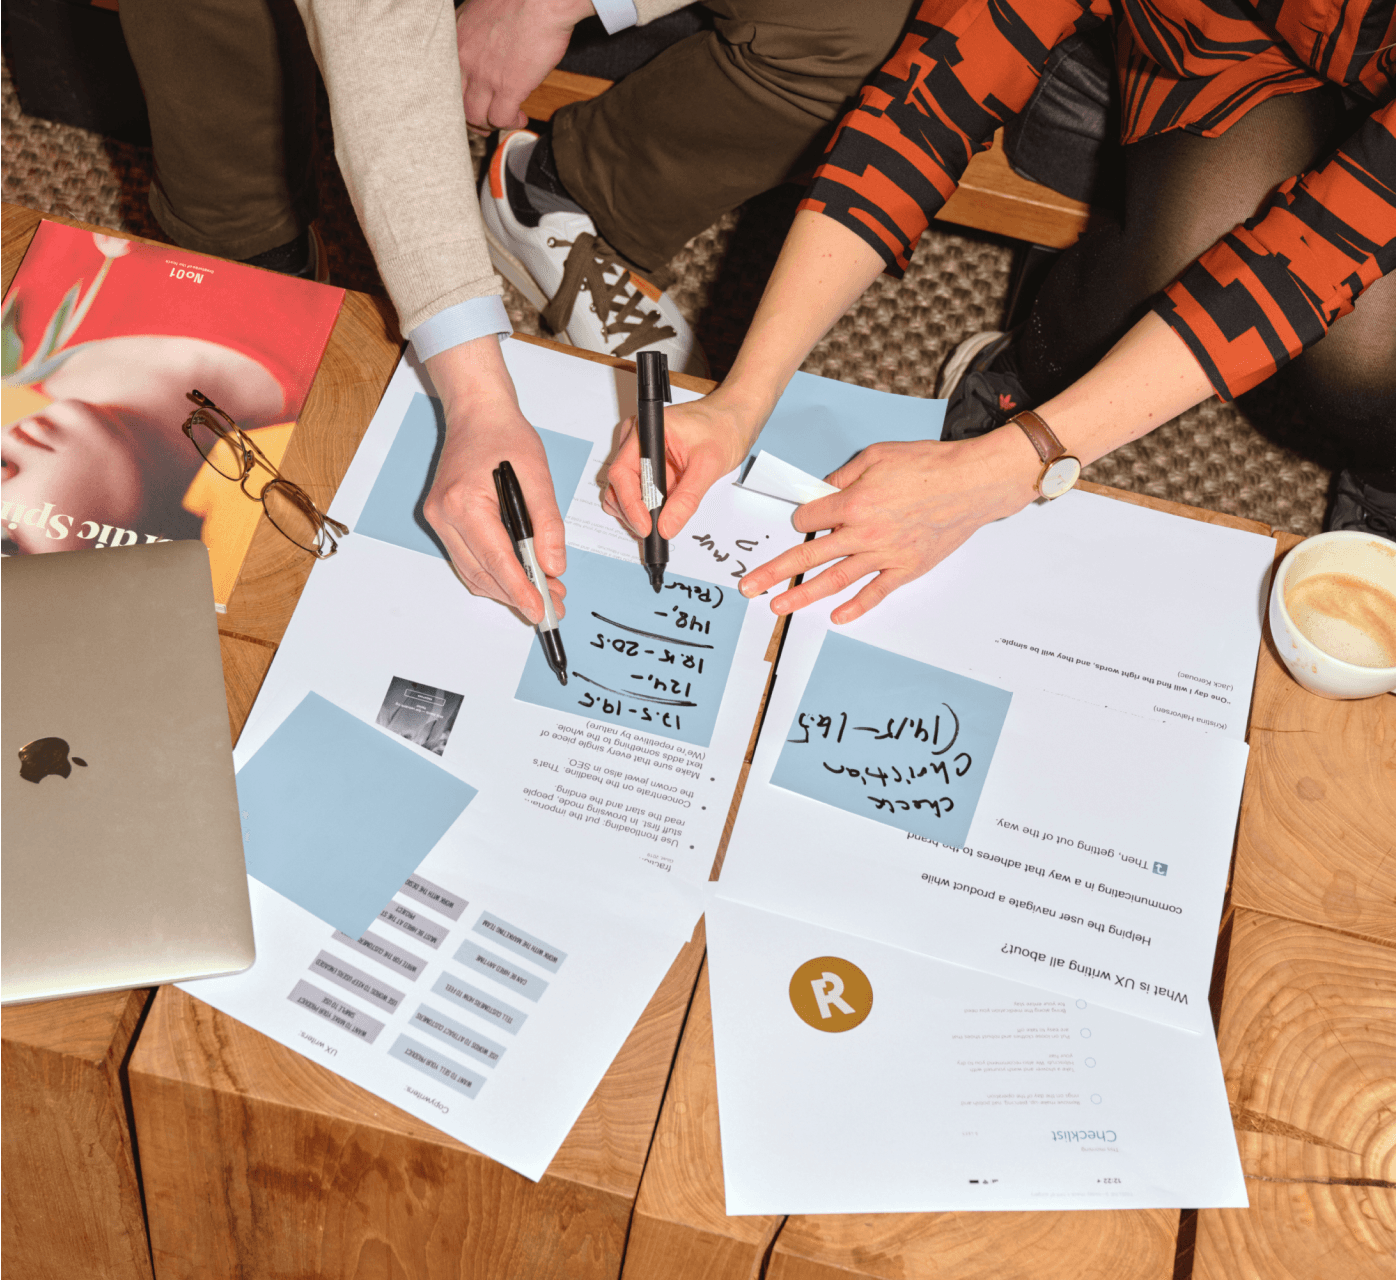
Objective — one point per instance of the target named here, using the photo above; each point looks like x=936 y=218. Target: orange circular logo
x=831 y=994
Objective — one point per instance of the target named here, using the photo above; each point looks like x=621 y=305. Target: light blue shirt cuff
x=616 y=15
x=463 y=322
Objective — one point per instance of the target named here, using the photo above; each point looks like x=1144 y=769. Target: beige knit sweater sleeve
x=393 y=78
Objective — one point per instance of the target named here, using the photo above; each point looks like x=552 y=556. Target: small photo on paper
x=420 y=713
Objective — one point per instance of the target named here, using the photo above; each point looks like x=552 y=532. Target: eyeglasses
x=230 y=452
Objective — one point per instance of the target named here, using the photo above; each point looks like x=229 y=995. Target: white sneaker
x=962 y=358
x=556 y=262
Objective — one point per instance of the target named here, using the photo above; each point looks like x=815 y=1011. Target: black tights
x=1182 y=194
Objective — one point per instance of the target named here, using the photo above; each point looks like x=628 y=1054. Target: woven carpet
x=894 y=339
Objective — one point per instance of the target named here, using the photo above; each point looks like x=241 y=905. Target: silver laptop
x=122 y=853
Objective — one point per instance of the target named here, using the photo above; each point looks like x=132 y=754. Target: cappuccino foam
x=1347 y=617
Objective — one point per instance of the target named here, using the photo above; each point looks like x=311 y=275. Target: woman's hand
x=703 y=441
x=484 y=428
x=903 y=508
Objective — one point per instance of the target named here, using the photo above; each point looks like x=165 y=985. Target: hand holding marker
x=514 y=513
x=653 y=370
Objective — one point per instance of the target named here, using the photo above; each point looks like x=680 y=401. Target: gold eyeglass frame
x=246 y=451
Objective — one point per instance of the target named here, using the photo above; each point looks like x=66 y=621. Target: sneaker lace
x=588 y=264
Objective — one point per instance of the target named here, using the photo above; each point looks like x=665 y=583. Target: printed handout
x=1017 y=832
x=856 y=1078
x=458 y=1000
x=551 y=844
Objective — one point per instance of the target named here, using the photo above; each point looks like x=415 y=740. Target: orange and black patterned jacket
x=1265 y=291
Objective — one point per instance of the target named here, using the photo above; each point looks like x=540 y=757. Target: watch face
x=1059 y=477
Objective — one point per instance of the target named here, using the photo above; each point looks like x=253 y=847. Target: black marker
x=514 y=513
x=653 y=369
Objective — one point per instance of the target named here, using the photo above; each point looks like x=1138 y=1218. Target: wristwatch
x=1059 y=469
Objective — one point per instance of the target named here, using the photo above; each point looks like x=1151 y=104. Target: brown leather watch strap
x=1048 y=447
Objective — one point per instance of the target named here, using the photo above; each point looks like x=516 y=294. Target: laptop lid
x=122 y=849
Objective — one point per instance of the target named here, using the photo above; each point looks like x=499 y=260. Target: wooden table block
x=1300 y=1231
x=1319 y=814
x=1112 y=1244
x=72 y=1203
x=1308 y=1045
x=681 y=1230
x=259 y=1162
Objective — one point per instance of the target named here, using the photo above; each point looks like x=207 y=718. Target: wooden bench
x=990 y=197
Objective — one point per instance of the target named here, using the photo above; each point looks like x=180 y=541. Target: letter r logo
x=830 y=993
x=828 y=990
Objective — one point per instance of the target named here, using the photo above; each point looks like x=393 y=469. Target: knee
x=822 y=49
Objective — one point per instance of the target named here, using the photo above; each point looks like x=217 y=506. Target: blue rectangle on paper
x=393 y=512
x=654 y=664
x=433 y=1022
x=505 y=972
x=515 y=939
x=482 y=1003
x=432 y=1063
x=893 y=739
x=819 y=424
x=336 y=814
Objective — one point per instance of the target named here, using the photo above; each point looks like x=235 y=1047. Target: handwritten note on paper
x=393 y=512
x=657 y=664
x=893 y=739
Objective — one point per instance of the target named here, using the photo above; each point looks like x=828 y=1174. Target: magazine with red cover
x=103 y=338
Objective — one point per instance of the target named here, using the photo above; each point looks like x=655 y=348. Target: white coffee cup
x=1333 y=614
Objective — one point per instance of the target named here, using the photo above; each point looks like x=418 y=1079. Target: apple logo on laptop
x=44 y=756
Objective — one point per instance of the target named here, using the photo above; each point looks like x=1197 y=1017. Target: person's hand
x=903 y=508
x=484 y=428
x=506 y=47
x=703 y=441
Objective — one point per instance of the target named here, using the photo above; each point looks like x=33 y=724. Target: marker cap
x=653 y=370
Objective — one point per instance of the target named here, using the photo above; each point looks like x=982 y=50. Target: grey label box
x=389 y=954
x=335 y=1010
x=442 y=1069
x=409 y=921
x=435 y=1023
x=504 y=1016
x=438 y=899
x=516 y=940
x=502 y=971
x=343 y=974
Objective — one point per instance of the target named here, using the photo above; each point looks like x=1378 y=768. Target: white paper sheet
x=594 y=825
x=958 y=1091
x=521 y=1070
x=1065 y=699
x=1094 y=863
x=778 y=479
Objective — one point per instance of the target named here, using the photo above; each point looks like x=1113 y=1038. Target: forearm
x=822 y=270
x=393 y=79
x=1146 y=379
x=472 y=379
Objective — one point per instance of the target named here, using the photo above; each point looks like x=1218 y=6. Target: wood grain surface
x=1111 y=1244
x=71 y=1200
x=1300 y=1231
x=1308 y=1045
x=1318 y=822
x=259 y=1162
x=681 y=1230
